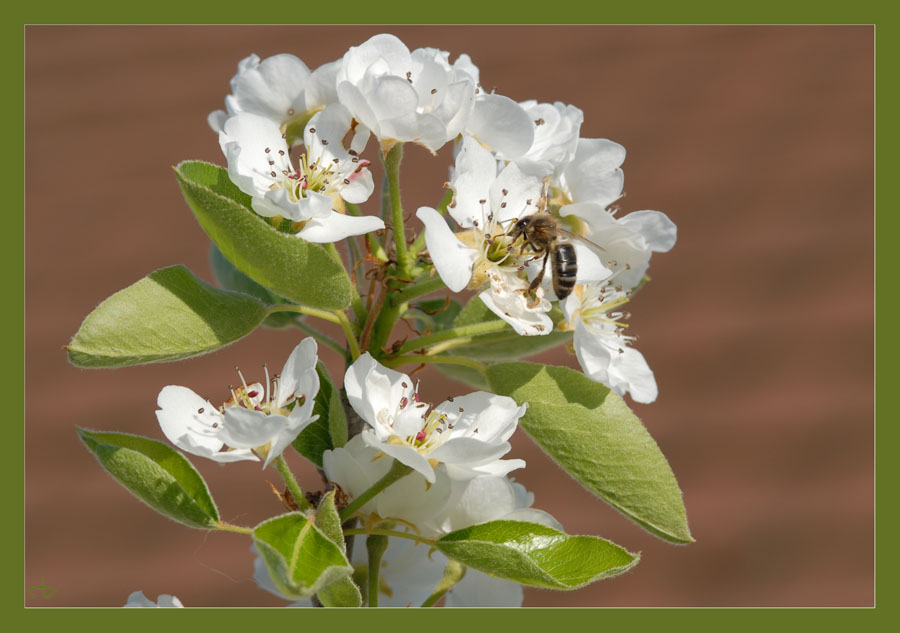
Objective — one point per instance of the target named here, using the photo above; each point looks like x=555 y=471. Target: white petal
x=216 y=120
x=629 y=371
x=478 y=589
x=321 y=87
x=338 y=226
x=385 y=47
x=189 y=421
x=244 y=428
x=594 y=174
x=590 y=266
x=452 y=259
x=464 y=451
x=502 y=125
x=403 y=454
x=655 y=227
x=298 y=376
x=273 y=88
x=532 y=515
x=475 y=172
x=522 y=197
x=512 y=308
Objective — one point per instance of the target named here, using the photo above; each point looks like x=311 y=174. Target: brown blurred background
x=758 y=143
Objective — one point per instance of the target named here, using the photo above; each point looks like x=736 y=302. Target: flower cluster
x=529 y=227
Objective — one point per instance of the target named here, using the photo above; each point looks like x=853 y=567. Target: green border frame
x=469 y=11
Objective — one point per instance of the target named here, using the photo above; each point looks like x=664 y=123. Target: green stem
x=384 y=325
x=485 y=327
x=419 y=243
x=392 y=171
x=397 y=471
x=396 y=361
x=227 y=527
x=349 y=333
x=417 y=290
x=326 y=340
x=320 y=314
x=376 y=544
x=291 y=483
x=397 y=533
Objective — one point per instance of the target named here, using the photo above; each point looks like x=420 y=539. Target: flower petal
x=452 y=259
x=338 y=226
x=502 y=125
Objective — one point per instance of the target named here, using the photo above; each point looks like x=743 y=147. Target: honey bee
x=542 y=233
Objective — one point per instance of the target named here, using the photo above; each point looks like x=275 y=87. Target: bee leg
x=537 y=280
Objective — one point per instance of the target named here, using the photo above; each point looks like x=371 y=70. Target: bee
x=542 y=233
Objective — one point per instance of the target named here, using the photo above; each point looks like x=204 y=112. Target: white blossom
x=164 y=601
x=421 y=97
x=602 y=347
x=468 y=434
x=327 y=174
x=581 y=193
x=280 y=88
x=257 y=418
x=556 y=130
x=488 y=197
x=628 y=241
x=411 y=499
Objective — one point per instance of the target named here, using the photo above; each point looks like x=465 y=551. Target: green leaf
x=290 y=267
x=329 y=521
x=156 y=474
x=301 y=560
x=505 y=344
x=590 y=431
x=343 y=593
x=536 y=555
x=231 y=278
x=465 y=375
x=330 y=430
x=168 y=315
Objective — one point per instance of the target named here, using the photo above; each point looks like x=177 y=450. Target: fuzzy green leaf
x=231 y=278
x=289 y=266
x=156 y=474
x=168 y=315
x=301 y=559
x=343 y=593
x=590 y=431
x=536 y=555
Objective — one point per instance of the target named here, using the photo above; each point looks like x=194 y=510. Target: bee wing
x=575 y=236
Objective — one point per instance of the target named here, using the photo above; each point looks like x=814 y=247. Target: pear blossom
x=259 y=164
x=164 y=601
x=487 y=198
x=468 y=434
x=280 y=88
x=357 y=466
x=627 y=241
x=421 y=97
x=600 y=344
x=258 y=418
x=556 y=130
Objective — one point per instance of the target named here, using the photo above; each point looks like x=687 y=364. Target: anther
x=433 y=90
x=281 y=152
x=312 y=130
x=268 y=149
x=539 y=122
x=200 y=410
x=290 y=111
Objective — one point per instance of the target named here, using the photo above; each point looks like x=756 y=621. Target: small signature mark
x=42 y=590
